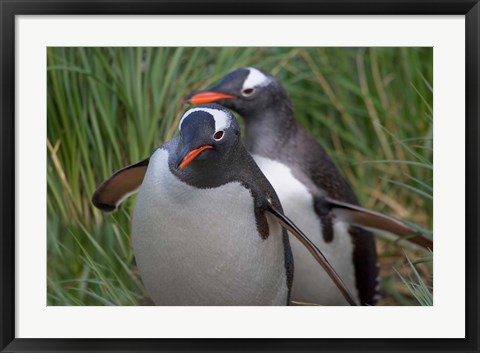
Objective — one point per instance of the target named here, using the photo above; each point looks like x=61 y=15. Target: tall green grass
x=371 y=108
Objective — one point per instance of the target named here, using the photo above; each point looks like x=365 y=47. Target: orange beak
x=190 y=156
x=208 y=97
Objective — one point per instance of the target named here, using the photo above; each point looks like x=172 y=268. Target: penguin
x=304 y=177
x=208 y=227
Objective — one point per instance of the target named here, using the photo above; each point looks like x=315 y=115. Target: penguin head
x=208 y=134
x=244 y=90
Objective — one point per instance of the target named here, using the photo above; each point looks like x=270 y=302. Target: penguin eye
x=218 y=135
x=248 y=91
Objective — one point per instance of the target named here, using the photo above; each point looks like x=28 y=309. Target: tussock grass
x=371 y=108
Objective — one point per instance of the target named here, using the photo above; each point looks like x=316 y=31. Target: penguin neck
x=211 y=173
x=267 y=130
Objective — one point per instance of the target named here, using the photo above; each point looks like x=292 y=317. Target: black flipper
x=316 y=253
x=323 y=210
x=363 y=217
x=122 y=184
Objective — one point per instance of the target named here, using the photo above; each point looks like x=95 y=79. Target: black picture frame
x=11 y=8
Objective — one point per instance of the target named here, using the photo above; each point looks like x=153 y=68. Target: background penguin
x=207 y=223
x=304 y=177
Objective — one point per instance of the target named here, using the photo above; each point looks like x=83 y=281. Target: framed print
x=197 y=176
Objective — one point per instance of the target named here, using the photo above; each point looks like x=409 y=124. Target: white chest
x=201 y=247
x=310 y=282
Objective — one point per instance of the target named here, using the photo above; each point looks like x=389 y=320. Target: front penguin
x=208 y=228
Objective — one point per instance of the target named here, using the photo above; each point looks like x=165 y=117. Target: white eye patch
x=255 y=78
x=222 y=119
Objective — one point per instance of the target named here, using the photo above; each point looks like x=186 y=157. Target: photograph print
x=233 y=176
